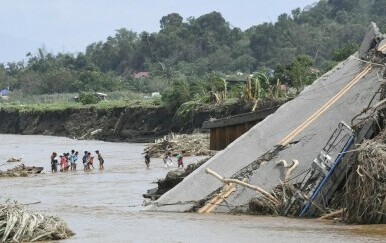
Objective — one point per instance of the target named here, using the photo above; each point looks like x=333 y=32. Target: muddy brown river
x=105 y=206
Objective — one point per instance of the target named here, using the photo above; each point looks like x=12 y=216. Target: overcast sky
x=71 y=25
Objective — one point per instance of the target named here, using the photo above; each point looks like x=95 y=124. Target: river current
x=106 y=206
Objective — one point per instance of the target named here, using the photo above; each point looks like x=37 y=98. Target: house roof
x=142 y=75
x=239 y=119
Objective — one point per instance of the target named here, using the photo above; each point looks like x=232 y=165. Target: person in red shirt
x=180 y=159
x=63 y=162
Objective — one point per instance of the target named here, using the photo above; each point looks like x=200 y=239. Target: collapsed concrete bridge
x=297 y=130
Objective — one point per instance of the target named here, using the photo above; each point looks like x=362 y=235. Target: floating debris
x=21 y=171
x=14 y=160
x=17 y=224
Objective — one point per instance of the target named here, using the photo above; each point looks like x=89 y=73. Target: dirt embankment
x=131 y=124
x=134 y=124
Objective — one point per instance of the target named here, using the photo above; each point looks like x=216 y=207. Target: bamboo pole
x=255 y=188
x=332 y=214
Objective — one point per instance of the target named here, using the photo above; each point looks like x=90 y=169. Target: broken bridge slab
x=302 y=126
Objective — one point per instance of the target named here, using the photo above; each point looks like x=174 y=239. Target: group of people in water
x=167 y=158
x=68 y=161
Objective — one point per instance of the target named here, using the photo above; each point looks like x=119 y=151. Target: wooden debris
x=365 y=197
x=332 y=214
x=89 y=134
x=19 y=225
x=21 y=171
x=255 y=188
x=272 y=204
x=292 y=167
x=193 y=144
x=14 y=160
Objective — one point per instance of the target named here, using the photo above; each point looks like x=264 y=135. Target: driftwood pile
x=362 y=202
x=365 y=197
x=21 y=171
x=282 y=193
x=263 y=206
x=17 y=171
x=193 y=144
x=19 y=225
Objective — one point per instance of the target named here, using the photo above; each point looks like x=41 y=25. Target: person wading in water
x=54 y=162
x=180 y=159
x=101 y=160
x=147 y=159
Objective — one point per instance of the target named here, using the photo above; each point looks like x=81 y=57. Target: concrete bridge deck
x=301 y=126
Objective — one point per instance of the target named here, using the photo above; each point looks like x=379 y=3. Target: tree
x=262 y=42
x=379 y=7
x=177 y=95
x=185 y=50
x=244 y=63
x=347 y=5
x=299 y=72
x=29 y=82
x=211 y=31
x=60 y=80
x=171 y=21
x=344 y=52
x=87 y=98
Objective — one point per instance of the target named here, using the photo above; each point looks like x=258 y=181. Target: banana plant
x=256 y=86
x=220 y=86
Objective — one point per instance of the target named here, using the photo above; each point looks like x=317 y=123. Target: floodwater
x=105 y=206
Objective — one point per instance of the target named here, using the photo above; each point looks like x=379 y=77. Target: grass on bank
x=26 y=103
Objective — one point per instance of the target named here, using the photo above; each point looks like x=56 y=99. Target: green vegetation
x=176 y=95
x=67 y=100
x=87 y=98
x=185 y=113
x=190 y=60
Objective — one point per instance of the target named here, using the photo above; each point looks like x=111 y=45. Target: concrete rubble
x=297 y=130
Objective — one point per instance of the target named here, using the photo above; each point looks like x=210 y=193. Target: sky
x=71 y=25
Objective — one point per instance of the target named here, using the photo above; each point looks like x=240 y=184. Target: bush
x=185 y=113
x=176 y=96
x=87 y=98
